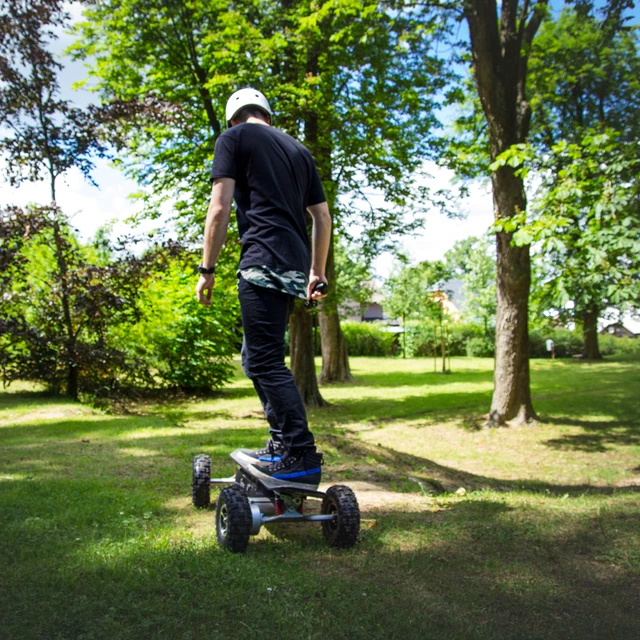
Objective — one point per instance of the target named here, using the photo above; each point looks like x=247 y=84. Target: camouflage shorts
x=292 y=282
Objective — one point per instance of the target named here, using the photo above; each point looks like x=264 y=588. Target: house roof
x=617 y=325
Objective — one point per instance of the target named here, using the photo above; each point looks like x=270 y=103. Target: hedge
x=371 y=339
x=368 y=339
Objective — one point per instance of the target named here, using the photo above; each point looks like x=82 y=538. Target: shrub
x=567 y=343
x=480 y=347
x=368 y=339
x=420 y=338
x=610 y=345
x=185 y=344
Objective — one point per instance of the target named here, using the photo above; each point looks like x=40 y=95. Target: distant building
x=451 y=300
x=373 y=312
x=618 y=330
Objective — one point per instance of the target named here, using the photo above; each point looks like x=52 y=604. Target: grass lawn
x=530 y=532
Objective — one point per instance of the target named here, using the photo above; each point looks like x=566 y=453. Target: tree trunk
x=499 y=47
x=71 y=355
x=335 y=359
x=590 y=334
x=302 y=361
x=512 y=394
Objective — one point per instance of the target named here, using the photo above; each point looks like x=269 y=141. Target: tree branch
x=536 y=20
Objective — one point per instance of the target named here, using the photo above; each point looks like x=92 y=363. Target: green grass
x=528 y=532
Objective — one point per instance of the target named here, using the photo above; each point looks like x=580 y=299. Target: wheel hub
x=224 y=520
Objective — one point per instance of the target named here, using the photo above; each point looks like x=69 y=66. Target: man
x=273 y=180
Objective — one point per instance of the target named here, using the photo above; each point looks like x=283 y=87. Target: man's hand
x=204 y=288
x=314 y=278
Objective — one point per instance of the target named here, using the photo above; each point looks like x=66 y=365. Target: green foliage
x=411 y=291
x=186 y=345
x=357 y=80
x=569 y=343
x=473 y=261
x=369 y=339
x=584 y=72
x=195 y=353
x=354 y=275
x=56 y=324
x=586 y=221
x=130 y=320
x=480 y=347
x=584 y=75
x=612 y=346
x=423 y=338
x=419 y=338
x=566 y=343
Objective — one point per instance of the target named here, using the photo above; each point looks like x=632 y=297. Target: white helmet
x=247 y=97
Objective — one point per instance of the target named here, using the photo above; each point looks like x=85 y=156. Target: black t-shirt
x=276 y=180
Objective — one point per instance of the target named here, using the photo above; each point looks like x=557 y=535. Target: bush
x=185 y=344
x=368 y=339
x=194 y=353
x=610 y=345
x=567 y=343
x=478 y=347
x=420 y=338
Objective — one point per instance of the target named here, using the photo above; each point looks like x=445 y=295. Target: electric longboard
x=251 y=501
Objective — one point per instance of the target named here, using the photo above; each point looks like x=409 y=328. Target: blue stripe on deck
x=297 y=474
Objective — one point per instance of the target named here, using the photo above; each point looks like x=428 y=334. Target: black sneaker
x=300 y=469
x=273 y=452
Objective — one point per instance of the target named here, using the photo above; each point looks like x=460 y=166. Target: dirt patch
x=372 y=496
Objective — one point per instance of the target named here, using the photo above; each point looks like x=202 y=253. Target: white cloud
x=440 y=233
x=88 y=207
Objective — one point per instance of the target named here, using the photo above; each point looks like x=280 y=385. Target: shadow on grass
x=393 y=467
x=600 y=436
x=431 y=378
x=57 y=444
x=108 y=562
x=379 y=411
x=102 y=538
x=10 y=399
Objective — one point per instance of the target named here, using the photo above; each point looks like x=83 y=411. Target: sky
x=91 y=207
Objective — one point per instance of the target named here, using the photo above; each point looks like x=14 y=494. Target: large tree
x=585 y=220
x=43 y=136
x=585 y=76
x=346 y=77
x=500 y=40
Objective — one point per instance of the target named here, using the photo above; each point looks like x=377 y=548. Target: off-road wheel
x=201 y=483
x=233 y=519
x=344 y=529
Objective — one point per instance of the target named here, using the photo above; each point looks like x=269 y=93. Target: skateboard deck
x=272 y=484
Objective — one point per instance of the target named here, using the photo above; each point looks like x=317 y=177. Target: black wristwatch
x=209 y=271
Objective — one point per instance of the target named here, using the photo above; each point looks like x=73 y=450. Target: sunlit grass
x=527 y=532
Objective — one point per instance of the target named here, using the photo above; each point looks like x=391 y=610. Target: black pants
x=265 y=314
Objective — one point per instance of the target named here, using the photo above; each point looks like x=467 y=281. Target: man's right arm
x=320 y=239
x=215 y=233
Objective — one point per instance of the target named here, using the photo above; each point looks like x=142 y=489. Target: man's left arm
x=215 y=233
